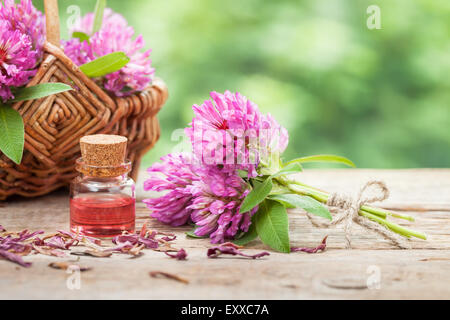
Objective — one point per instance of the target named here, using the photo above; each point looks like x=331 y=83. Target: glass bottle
x=102 y=197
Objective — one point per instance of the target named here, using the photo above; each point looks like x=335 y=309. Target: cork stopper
x=103 y=155
x=103 y=150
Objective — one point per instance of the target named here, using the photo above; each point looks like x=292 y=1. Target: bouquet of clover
x=235 y=186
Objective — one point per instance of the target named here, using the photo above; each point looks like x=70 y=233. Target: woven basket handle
x=52 y=22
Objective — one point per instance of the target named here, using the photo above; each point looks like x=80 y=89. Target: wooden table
x=420 y=273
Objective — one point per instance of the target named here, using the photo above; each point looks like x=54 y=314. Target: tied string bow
x=346 y=211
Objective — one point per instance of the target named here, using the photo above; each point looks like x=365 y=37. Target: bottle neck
x=122 y=177
x=97 y=172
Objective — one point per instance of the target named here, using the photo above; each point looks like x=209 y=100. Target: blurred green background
x=379 y=97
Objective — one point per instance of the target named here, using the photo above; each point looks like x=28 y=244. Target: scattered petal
x=124 y=241
x=169 y=238
x=14 y=245
x=165 y=247
x=435 y=259
x=14 y=258
x=66 y=265
x=122 y=247
x=60 y=242
x=93 y=253
x=79 y=237
x=180 y=255
x=321 y=247
x=143 y=229
x=136 y=250
x=49 y=252
x=232 y=249
x=156 y=274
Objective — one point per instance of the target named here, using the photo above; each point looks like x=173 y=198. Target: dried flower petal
x=49 y=252
x=14 y=258
x=79 y=237
x=155 y=274
x=232 y=249
x=148 y=243
x=93 y=253
x=65 y=266
x=61 y=243
x=122 y=247
x=169 y=238
x=25 y=235
x=144 y=239
x=14 y=245
x=320 y=247
x=133 y=239
x=180 y=255
x=39 y=242
x=143 y=229
x=435 y=259
x=136 y=250
x=165 y=247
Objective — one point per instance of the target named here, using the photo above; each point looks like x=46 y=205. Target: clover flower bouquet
x=234 y=185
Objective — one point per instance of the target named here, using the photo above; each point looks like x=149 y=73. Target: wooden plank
x=422 y=273
x=279 y=276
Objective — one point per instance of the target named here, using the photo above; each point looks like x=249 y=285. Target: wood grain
x=420 y=273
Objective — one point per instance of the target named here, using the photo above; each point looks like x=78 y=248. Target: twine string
x=346 y=211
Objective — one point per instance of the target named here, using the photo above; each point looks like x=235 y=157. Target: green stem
x=375 y=214
x=377 y=211
x=394 y=227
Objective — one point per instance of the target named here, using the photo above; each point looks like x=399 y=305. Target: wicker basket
x=54 y=125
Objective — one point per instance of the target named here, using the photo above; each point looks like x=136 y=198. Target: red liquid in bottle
x=102 y=214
